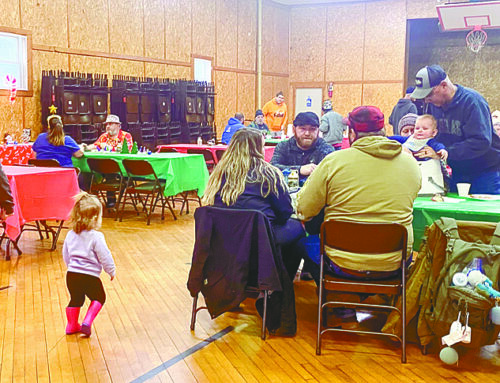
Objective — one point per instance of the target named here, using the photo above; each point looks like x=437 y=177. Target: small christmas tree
x=134 y=148
x=125 y=147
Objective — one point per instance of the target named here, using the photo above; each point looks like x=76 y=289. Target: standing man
x=464 y=127
x=276 y=114
x=332 y=126
x=404 y=106
x=305 y=150
x=357 y=184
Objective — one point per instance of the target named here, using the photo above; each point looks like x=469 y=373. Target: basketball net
x=476 y=39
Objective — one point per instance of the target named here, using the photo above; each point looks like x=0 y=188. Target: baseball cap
x=327 y=105
x=112 y=118
x=366 y=119
x=306 y=118
x=410 y=90
x=426 y=79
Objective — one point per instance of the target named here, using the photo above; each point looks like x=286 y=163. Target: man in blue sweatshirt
x=233 y=125
x=465 y=129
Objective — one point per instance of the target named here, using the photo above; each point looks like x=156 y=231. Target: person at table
x=244 y=180
x=305 y=150
x=276 y=114
x=55 y=145
x=259 y=123
x=233 y=125
x=6 y=200
x=406 y=125
x=465 y=128
x=114 y=137
x=358 y=184
x=332 y=126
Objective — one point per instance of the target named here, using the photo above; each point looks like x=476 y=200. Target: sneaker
x=346 y=323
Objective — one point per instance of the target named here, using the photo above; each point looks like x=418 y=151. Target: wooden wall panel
x=227 y=32
x=47 y=20
x=307 y=43
x=225 y=103
x=275 y=39
x=204 y=20
x=33 y=107
x=12 y=118
x=385 y=38
x=87 y=64
x=88 y=25
x=180 y=72
x=154 y=28
x=247 y=34
x=421 y=9
x=126 y=27
x=9 y=14
x=267 y=90
x=126 y=67
x=345 y=42
x=383 y=96
x=246 y=95
x=346 y=97
x=178 y=30
x=155 y=70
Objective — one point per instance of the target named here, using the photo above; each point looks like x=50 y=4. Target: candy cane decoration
x=11 y=83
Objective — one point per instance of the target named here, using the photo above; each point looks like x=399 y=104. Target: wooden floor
x=142 y=334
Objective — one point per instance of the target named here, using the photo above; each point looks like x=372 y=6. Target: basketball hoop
x=476 y=39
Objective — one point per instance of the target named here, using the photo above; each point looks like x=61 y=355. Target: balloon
x=448 y=355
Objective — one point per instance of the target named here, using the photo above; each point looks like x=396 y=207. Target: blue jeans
x=485 y=183
x=289 y=237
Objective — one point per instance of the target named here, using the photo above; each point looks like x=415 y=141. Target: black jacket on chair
x=234 y=248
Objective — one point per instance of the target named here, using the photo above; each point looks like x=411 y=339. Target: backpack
x=447 y=300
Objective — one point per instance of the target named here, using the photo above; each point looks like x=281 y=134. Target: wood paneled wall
x=151 y=38
x=359 y=47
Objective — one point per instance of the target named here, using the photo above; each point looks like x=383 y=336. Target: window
x=15 y=60
x=202 y=70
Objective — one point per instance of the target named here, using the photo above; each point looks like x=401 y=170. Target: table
x=182 y=172
x=276 y=141
x=35 y=191
x=182 y=148
x=14 y=154
x=425 y=212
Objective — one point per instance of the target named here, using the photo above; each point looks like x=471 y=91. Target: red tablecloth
x=39 y=194
x=16 y=154
x=182 y=148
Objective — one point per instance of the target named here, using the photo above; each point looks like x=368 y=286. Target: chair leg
x=55 y=236
x=194 y=312
x=403 y=323
x=170 y=207
x=264 y=317
x=320 y=308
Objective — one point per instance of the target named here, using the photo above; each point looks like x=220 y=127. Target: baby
x=423 y=135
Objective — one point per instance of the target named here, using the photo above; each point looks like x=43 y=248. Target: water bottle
x=293 y=179
x=200 y=141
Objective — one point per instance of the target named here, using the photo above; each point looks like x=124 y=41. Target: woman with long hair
x=244 y=180
x=55 y=144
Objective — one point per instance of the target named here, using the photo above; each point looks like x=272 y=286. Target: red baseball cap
x=366 y=119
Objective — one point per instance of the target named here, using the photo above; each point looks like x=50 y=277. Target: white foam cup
x=463 y=189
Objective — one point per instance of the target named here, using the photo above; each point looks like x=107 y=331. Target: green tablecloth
x=425 y=212
x=182 y=172
x=274 y=141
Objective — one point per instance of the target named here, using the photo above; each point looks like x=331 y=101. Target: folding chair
x=51 y=163
x=167 y=150
x=207 y=155
x=226 y=238
x=219 y=153
x=106 y=177
x=363 y=238
x=151 y=188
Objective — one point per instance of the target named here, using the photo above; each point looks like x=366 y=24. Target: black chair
x=207 y=155
x=137 y=186
x=106 y=178
x=167 y=150
x=363 y=238
x=234 y=253
x=219 y=153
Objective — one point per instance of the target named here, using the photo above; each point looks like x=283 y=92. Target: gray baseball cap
x=426 y=79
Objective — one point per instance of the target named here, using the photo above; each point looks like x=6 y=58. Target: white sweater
x=87 y=253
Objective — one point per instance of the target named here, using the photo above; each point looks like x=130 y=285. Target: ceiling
x=303 y=2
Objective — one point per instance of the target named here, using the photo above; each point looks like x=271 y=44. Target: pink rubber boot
x=92 y=312
x=72 y=314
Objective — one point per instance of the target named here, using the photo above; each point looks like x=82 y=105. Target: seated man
x=114 y=137
x=358 y=184
x=233 y=125
x=406 y=125
x=259 y=123
x=305 y=150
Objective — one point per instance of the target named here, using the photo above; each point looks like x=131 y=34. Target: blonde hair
x=243 y=162
x=56 y=131
x=430 y=118
x=86 y=213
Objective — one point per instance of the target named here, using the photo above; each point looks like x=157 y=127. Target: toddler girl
x=85 y=253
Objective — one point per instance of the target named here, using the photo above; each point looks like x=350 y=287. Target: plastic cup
x=463 y=189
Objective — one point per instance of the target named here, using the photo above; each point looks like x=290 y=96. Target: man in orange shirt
x=275 y=114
